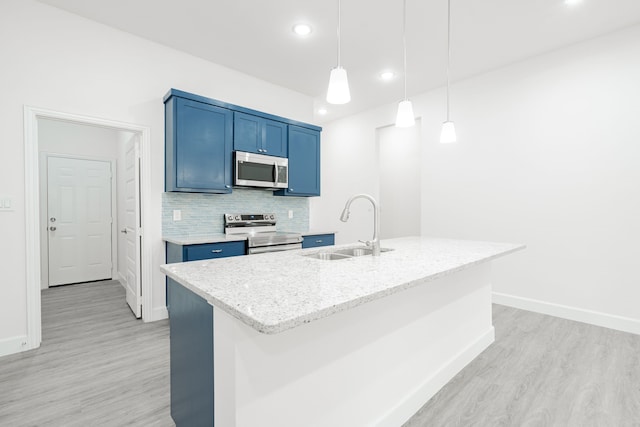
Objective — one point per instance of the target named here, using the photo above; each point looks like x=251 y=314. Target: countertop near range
x=198 y=239
x=274 y=292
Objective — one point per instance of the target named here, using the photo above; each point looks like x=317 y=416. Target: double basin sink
x=343 y=253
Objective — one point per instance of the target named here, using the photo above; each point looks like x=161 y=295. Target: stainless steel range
x=261 y=233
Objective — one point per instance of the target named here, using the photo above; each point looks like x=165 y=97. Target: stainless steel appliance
x=258 y=170
x=260 y=230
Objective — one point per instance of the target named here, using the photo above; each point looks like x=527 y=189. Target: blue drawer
x=317 y=240
x=214 y=250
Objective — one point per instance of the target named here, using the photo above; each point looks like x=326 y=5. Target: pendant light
x=338 y=92
x=404 y=117
x=448 y=133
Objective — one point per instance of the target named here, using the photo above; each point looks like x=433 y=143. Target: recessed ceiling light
x=302 y=29
x=322 y=111
x=387 y=75
x=572 y=2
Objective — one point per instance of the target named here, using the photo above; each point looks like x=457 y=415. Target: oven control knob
x=237 y=217
x=272 y=217
x=230 y=217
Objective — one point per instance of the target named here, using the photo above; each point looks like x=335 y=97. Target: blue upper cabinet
x=304 y=162
x=201 y=134
x=259 y=135
x=198 y=147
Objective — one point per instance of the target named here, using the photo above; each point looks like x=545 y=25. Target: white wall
x=400 y=164
x=59 y=61
x=547 y=155
x=59 y=137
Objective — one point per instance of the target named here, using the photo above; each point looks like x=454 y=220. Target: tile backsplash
x=203 y=213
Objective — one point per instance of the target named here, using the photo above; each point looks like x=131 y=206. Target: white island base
x=373 y=365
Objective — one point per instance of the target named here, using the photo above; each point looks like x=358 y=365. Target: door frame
x=44 y=157
x=32 y=210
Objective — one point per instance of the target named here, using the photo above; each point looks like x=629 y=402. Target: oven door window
x=250 y=171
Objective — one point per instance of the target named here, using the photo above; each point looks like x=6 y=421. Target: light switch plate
x=6 y=203
x=290 y=214
x=177 y=215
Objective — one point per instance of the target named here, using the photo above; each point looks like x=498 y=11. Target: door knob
x=124 y=230
x=52 y=228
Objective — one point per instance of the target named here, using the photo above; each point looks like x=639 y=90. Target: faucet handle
x=366 y=242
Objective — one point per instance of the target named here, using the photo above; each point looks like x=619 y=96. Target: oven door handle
x=274 y=248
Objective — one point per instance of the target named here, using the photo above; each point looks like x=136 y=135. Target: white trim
x=13 y=345
x=32 y=211
x=416 y=398
x=160 y=313
x=611 y=321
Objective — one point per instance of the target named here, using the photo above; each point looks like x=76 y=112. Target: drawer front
x=214 y=250
x=317 y=240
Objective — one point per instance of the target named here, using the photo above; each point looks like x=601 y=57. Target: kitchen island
x=286 y=339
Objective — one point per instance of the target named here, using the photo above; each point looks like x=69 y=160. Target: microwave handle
x=275 y=166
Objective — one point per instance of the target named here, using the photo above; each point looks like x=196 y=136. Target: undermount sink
x=343 y=253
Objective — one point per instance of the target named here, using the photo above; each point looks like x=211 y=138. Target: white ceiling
x=255 y=37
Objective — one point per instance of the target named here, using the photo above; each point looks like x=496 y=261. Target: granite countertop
x=198 y=239
x=274 y=292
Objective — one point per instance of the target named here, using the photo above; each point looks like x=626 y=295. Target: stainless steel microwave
x=258 y=170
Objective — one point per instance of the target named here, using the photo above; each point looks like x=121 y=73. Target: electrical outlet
x=177 y=215
x=290 y=214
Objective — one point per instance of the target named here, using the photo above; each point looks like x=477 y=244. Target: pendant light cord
x=338 y=33
x=404 y=44
x=448 y=52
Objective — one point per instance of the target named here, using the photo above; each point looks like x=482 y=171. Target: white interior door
x=131 y=229
x=78 y=220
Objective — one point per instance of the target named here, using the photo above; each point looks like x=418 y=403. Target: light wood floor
x=543 y=371
x=99 y=366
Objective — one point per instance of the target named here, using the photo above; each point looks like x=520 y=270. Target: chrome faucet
x=375 y=243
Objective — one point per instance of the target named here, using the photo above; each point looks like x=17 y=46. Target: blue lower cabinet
x=191 y=352
x=318 y=240
x=183 y=253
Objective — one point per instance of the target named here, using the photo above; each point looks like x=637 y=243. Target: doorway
x=33 y=120
x=400 y=156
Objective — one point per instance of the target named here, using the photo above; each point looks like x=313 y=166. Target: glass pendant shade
x=448 y=133
x=405 y=117
x=338 y=92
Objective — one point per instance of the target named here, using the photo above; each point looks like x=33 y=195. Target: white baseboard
x=158 y=313
x=14 y=345
x=611 y=321
x=425 y=391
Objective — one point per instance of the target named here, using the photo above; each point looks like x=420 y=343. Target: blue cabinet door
x=247 y=133
x=304 y=162
x=255 y=134
x=275 y=138
x=198 y=147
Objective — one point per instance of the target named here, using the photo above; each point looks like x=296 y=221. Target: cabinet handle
x=318 y=241
x=227 y=186
x=291 y=189
x=216 y=251
x=264 y=150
